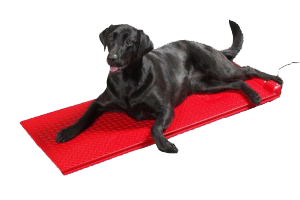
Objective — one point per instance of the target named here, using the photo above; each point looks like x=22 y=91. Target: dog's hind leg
x=250 y=72
x=163 y=120
x=213 y=86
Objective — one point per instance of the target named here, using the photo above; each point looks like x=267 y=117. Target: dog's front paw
x=66 y=135
x=165 y=146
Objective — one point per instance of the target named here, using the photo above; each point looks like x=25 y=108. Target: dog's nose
x=111 y=58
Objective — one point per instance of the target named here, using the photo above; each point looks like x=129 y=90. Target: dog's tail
x=237 y=41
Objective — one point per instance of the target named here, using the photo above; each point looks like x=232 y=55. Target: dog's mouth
x=117 y=68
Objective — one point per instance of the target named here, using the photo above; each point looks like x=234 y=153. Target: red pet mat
x=114 y=133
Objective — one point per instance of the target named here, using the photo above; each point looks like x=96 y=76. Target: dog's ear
x=145 y=44
x=103 y=36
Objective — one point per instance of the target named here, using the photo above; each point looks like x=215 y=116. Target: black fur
x=149 y=84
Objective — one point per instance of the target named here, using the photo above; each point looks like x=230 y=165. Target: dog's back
x=180 y=66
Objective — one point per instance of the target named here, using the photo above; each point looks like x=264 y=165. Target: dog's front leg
x=96 y=108
x=163 y=120
x=85 y=121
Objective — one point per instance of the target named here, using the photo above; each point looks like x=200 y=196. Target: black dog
x=149 y=84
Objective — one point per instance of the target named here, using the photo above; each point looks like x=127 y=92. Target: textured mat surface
x=114 y=134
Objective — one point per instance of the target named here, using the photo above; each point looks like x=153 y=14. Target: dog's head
x=126 y=45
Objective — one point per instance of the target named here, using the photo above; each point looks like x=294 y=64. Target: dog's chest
x=141 y=111
x=132 y=101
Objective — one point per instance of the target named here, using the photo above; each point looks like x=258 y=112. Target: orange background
x=62 y=63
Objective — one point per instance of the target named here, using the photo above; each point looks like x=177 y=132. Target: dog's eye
x=128 y=41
